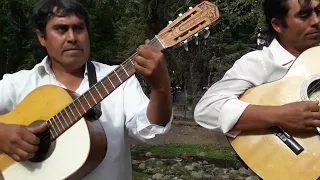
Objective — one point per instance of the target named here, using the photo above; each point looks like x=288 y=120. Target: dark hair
x=47 y=9
x=278 y=9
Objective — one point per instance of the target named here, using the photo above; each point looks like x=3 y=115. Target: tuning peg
x=180 y=14
x=206 y=33
x=185 y=45
x=190 y=8
x=170 y=22
x=196 y=39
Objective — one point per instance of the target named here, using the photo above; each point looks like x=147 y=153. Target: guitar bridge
x=287 y=139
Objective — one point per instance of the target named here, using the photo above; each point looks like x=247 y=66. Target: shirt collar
x=45 y=67
x=280 y=55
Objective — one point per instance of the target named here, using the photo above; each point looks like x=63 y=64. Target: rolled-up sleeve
x=220 y=108
x=135 y=107
x=7 y=94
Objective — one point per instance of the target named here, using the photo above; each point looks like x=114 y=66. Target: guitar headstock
x=197 y=20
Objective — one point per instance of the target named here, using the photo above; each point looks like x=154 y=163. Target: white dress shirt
x=220 y=108
x=123 y=114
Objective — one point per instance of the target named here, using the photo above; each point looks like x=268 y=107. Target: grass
x=168 y=151
x=138 y=176
x=176 y=150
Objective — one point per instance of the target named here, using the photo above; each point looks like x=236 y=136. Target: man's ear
x=41 y=38
x=276 y=24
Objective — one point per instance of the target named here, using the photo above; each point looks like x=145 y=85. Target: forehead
x=301 y=5
x=66 y=20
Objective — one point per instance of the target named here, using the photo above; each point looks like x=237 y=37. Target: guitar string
x=153 y=42
x=46 y=135
x=303 y=98
x=311 y=90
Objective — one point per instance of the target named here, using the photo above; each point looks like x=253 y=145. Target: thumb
x=38 y=129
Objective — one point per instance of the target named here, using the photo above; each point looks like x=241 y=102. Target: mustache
x=315 y=29
x=72 y=47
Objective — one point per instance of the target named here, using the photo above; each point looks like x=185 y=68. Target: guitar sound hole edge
x=46 y=146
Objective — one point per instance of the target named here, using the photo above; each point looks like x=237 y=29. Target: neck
x=69 y=76
x=289 y=46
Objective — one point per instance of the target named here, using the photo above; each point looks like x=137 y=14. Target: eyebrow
x=307 y=10
x=82 y=24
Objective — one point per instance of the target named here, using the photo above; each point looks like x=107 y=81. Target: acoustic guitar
x=74 y=146
x=276 y=154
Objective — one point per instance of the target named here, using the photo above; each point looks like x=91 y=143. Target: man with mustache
x=294 y=25
x=62 y=28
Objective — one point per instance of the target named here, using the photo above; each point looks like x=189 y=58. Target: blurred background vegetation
x=118 y=27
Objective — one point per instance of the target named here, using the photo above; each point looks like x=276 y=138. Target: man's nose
x=315 y=20
x=71 y=37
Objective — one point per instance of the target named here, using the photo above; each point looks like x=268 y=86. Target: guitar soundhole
x=45 y=147
x=313 y=91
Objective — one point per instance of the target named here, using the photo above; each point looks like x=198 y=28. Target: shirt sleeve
x=135 y=107
x=7 y=94
x=220 y=108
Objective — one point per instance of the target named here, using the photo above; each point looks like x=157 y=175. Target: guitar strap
x=95 y=112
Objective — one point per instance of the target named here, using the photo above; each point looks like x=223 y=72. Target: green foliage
x=118 y=27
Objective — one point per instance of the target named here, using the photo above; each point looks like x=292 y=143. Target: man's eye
x=61 y=29
x=304 y=16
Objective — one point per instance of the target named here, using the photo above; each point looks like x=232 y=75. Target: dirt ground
x=188 y=132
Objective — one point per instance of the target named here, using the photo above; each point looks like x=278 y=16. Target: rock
x=152 y=159
x=196 y=175
x=225 y=177
x=159 y=163
x=243 y=170
x=157 y=176
x=148 y=154
x=251 y=173
x=202 y=154
x=252 y=178
x=190 y=168
x=233 y=171
x=166 y=177
x=142 y=166
x=195 y=165
x=207 y=176
x=205 y=162
x=240 y=178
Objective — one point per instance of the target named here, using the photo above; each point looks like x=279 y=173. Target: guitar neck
x=74 y=111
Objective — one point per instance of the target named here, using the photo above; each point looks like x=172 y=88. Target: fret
x=68 y=116
x=62 y=121
x=84 y=110
x=117 y=76
x=104 y=87
x=51 y=124
x=98 y=92
x=87 y=100
x=111 y=83
x=92 y=97
x=124 y=70
x=57 y=125
x=131 y=61
x=72 y=112
x=76 y=108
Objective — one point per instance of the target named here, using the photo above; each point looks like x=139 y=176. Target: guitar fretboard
x=62 y=121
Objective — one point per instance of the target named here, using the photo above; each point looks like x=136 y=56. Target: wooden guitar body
x=263 y=151
x=73 y=155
